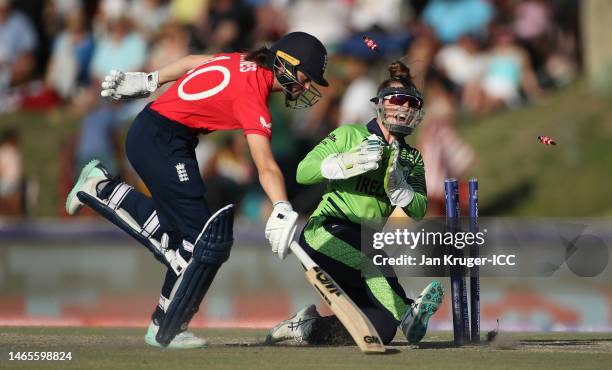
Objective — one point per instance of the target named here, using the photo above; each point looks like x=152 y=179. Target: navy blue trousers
x=162 y=152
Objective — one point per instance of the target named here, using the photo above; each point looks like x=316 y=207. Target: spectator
x=328 y=20
x=271 y=21
x=227 y=26
x=187 y=12
x=71 y=56
x=150 y=16
x=172 y=45
x=11 y=174
x=533 y=20
x=387 y=15
x=119 y=48
x=549 y=48
x=508 y=70
x=445 y=154
x=463 y=64
x=361 y=88
x=18 y=42
x=533 y=27
x=451 y=19
x=420 y=55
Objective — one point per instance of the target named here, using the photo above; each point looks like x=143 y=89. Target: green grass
x=239 y=349
x=518 y=176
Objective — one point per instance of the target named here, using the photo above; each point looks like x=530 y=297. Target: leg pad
x=211 y=249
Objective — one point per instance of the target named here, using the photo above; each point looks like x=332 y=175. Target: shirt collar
x=373 y=128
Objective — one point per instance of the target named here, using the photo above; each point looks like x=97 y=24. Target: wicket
x=463 y=332
x=474 y=271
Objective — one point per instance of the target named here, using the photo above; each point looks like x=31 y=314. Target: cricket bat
x=355 y=322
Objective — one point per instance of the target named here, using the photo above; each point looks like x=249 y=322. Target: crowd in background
x=469 y=57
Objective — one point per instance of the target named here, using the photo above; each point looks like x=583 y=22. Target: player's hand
x=361 y=159
x=398 y=190
x=119 y=85
x=280 y=228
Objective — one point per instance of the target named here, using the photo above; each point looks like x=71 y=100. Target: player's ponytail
x=399 y=72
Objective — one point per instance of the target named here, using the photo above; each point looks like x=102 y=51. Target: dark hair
x=260 y=56
x=398 y=72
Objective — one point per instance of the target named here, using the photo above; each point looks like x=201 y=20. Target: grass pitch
x=242 y=349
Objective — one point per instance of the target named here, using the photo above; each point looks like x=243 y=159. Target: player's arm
x=175 y=70
x=309 y=169
x=270 y=176
x=334 y=159
x=281 y=226
x=120 y=85
x=418 y=206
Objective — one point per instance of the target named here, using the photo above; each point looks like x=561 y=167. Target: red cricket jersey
x=224 y=93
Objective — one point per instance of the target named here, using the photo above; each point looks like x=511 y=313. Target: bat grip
x=302 y=256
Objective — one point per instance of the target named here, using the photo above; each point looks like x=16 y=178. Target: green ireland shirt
x=362 y=199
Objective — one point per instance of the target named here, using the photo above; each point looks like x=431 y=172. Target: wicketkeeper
x=211 y=93
x=370 y=170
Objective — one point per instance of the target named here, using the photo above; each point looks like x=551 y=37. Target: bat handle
x=302 y=256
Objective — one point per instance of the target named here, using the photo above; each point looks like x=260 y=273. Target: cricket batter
x=369 y=170
x=211 y=93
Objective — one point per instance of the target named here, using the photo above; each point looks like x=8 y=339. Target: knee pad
x=210 y=250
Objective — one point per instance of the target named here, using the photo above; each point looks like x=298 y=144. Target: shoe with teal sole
x=415 y=320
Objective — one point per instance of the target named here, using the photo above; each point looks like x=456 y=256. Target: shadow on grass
x=389 y=351
x=427 y=345
x=564 y=342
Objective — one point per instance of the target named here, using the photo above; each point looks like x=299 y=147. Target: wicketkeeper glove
x=360 y=159
x=398 y=190
x=119 y=85
x=280 y=228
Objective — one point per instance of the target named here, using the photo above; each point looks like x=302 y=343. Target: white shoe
x=297 y=327
x=90 y=176
x=183 y=340
x=414 y=322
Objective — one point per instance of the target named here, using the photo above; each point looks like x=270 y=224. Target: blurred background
x=496 y=74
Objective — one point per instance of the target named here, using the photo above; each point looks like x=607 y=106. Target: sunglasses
x=401 y=99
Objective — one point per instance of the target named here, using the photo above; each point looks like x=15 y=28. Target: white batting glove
x=119 y=85
x=361 y=159
x=280 y=228
x=398 y=190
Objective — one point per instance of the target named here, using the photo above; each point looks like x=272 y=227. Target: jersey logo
x=331 y=137
x=182 y=172
x=264 y=124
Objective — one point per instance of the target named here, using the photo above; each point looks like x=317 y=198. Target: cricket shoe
x=91 y=175
x=183 y=340
x=414 y=321
x=298 y=327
